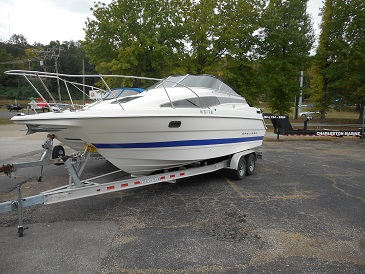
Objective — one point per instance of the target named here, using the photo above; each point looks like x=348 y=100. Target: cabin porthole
x=174 y=124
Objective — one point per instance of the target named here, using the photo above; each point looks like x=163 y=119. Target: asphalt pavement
x=303 y=211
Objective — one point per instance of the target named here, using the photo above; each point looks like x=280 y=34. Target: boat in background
x=37 y=104
x=177 y=121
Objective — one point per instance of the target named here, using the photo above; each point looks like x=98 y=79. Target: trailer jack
x=70 y=164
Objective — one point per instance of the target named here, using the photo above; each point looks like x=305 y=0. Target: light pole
x=362 y=131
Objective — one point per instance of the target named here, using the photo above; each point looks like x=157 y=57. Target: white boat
x=178 y=121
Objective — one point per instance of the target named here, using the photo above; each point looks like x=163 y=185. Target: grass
x=3 y=103
x=5 y=121
x=3 y=109
x=344 y=117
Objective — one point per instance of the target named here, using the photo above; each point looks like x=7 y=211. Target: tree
x=339 y=73
x=326 y=55
x=153 y=39
x=133 y=36
x=203 y=35
x=4 y=57
x=356 y=56
x=18 y=39
x=286 y=38
x=238 y=24
x=14 y=56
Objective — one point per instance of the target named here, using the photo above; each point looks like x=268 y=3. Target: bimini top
x=196 y=81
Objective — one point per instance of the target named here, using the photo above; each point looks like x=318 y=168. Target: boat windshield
x=121 y=92
x=196 y=81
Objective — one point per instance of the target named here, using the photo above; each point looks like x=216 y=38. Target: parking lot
x=303 y=211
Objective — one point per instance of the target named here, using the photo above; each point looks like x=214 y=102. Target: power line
x=5 y=33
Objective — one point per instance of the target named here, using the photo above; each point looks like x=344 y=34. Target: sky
x=44 y=21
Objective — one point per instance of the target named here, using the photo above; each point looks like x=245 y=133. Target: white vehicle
x=178 y=121
x=308 y=113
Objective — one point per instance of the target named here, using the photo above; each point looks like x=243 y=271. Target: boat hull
x=140 y=144
x=148 y=160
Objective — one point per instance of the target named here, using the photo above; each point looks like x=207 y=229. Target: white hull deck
x=141 y=145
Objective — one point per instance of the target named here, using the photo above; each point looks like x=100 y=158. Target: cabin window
x=195 y=102
x=125 y=99
x=232 y=100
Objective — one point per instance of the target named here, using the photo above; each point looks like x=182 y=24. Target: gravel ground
x=302 y=211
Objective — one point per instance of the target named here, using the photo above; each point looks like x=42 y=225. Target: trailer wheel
x=58 y=152
x=250 y=164
x=240 y=172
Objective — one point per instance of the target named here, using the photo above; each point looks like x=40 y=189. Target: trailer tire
x=240 y=172
x=58 y=152
x=250 y=164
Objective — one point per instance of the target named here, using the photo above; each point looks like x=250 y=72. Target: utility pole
x=299 y=100
x=301 y=92
x=83 y=82
x=363 y=123
x=52 y=53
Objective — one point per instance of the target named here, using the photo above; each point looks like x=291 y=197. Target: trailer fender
x=237 y=156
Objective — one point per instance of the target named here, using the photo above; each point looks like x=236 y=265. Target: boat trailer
x=239 y=164
x=282 y=126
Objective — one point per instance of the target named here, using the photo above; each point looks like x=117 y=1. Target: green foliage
x=133 y=37
x=26 y=57
x=159 y=38
x=339 y=67
x=258 y=47
x=18 y=39
x=245 y=78
x=286 y=38
x=234 y=47
x=21 y=92
x=201 y=27
x=4 y=55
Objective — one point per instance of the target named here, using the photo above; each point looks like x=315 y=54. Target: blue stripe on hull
x=182 y=143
